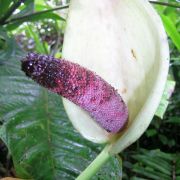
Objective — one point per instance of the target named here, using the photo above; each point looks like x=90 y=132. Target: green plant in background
x=34 y=125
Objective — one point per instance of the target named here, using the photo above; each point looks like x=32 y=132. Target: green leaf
x=36 y=129
x=39 y=44
x=150 y=162
x=8 y=45
x=40 y=7
x=25 y=9
x=34 y=18
x=149 y=173
x=169 y=88
x=175 y=120
x=137 y=178
x=151 y=132
x=171 y=30
x=4 y=4
x=154 y=164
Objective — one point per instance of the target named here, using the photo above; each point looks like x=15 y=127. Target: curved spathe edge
x=144 y=117
x=139 y=124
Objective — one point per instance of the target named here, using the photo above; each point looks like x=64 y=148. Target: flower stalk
x=98 y=162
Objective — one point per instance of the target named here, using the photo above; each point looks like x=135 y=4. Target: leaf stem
x=35 y=14
x=10 y=11
x=165 y=4
x=91 y=170
x=120 y=164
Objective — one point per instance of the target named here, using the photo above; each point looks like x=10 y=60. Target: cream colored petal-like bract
x=124 y=42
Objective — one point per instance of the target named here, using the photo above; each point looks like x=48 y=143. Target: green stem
x=95 y=165
x=35 y=14
x=120 y=165
x=165 y=4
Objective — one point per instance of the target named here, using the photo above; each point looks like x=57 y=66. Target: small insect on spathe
x=81 y=86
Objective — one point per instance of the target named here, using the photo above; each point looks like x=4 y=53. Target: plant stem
x=120 y=165
x=10 y=11
x=35 y=14
x=95 y=165
x=165 y=4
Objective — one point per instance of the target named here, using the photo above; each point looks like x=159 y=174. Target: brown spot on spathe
x=124 y=90
x=133 y=54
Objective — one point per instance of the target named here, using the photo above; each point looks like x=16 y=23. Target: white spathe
x=124 y=42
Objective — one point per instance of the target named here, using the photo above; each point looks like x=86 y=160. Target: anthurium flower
x=124 y=42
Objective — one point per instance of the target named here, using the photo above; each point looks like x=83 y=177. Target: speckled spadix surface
x=124 y=42
x=81 y=86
